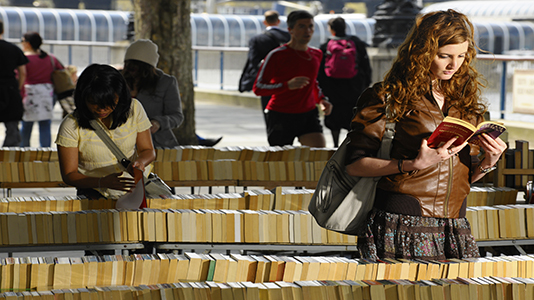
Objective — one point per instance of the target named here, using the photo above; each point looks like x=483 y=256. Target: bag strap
x=99 y=130
x=53 y=62
x=384 y=151
x=387 y=139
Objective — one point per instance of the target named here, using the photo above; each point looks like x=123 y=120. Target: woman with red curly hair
x=420 y=204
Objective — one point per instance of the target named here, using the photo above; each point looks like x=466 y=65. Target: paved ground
x=239 y=126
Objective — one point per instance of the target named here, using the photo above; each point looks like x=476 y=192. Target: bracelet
x=486 y=170
x=399 y=165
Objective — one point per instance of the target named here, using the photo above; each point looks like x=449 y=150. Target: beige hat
x=143 y=50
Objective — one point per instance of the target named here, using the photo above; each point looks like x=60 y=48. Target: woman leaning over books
x=86 y=162
x=420 y=204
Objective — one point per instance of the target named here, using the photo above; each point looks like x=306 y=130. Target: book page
x=134 y=198
x=493 y=129
x=448 y=130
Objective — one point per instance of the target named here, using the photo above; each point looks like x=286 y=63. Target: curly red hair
x=409 y=77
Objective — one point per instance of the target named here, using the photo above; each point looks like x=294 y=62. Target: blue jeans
x=45 y=137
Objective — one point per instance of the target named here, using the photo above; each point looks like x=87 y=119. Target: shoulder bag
x=61 y=80
x=154 y=186
x=342 y=202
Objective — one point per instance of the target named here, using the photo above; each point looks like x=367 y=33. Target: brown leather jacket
x=440 y=190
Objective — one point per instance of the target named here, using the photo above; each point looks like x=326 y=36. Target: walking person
x=258 y=47
x=344 y=74
x=289 y=74
x=38 y=91
x=420 y=203
x=11 y=83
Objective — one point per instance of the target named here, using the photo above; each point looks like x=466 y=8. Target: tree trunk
x=167 y=23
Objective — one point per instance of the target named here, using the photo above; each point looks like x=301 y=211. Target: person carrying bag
x=154 y=186
x=85 y=161
x=342 y=202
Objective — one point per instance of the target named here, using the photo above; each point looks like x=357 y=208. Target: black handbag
x=342 y=202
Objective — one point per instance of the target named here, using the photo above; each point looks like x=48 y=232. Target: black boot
x=208 y=142
x=335 y=137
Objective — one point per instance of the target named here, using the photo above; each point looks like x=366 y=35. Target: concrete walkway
x=240 y=124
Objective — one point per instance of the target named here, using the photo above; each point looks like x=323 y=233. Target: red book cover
x=465 y=131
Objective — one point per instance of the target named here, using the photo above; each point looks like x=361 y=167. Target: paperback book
x=453 y=127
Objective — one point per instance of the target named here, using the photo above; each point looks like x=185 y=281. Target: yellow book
x=90 y=270
x=132 y=226
x=77 y=272
x=221 y=267
x=195 y=266
x=62 y=273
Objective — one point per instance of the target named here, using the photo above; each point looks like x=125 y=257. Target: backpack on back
x=340 y=59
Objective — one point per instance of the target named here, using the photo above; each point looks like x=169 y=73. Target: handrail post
x=195 y=68
x=222 y=70
x=503 y=88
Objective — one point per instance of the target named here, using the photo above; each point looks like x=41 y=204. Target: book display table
x=119 y=248
x=247 y=247
x=499 y=243
x=8 y=186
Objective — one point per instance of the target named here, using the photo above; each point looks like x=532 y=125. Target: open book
x=134 y=199
x=452 y=127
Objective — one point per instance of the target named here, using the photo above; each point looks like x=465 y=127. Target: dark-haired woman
x=38 y=91
x=85 y=161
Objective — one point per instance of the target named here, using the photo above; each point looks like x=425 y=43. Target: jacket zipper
x=446 y=204
x=449 y=183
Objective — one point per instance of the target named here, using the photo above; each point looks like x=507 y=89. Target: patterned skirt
x=389 y=235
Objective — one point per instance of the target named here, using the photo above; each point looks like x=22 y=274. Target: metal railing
x=498 y=70
x=220 y=68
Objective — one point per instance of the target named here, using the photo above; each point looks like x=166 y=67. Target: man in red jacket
x=289 y=74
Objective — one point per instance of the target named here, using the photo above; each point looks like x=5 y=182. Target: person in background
x=343 y=89
x=289 y=74
x=67 y=102
x=158 y=92
x=420 y=202
x=258 y=47
x=38 y=91
x=11 y=109
x=86 y=163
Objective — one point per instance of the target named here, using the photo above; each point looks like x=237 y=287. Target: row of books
x=21 y=154
x=484 y=196
x=169 y=225
x=257 y=199
x=30 y=171
x=230 y=169
x=501 y=221
x=267 y=153
x=222 y=226
x=48 y=171
x=260 y=199
x=182 y=153
x=21 y=273
x=439 y=289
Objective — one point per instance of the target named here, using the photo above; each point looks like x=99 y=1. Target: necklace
x=308 y=57
x=437 y=94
